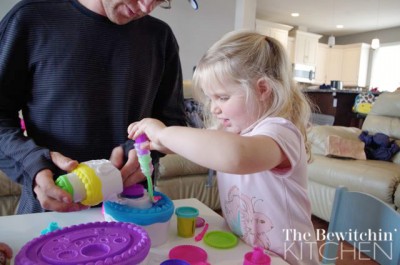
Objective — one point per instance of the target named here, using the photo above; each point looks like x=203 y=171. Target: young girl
x=257 y=146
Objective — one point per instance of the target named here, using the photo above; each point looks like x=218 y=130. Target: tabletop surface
x=17 y=230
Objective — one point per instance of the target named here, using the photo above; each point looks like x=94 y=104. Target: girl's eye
x=223 y=98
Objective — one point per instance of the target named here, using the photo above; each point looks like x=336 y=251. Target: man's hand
x=50 y=196
x=131 y=173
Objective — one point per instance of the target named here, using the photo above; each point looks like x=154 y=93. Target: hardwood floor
x=348 y=256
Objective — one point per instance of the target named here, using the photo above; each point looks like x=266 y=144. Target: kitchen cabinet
x=329 y=64
x=290 y=48
x=321 y=67
x=347 y=63
x=274 y=30
x=355 y=64
x=305 y=47
x=334 y=64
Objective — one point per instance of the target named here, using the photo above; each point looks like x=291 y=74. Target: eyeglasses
x=166 y=4
x=194 y=4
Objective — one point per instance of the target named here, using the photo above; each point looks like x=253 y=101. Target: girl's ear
x=264 y=91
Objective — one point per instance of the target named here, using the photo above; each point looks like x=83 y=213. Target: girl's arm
x=218 y=150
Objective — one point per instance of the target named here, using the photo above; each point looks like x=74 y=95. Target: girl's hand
x=152 y=128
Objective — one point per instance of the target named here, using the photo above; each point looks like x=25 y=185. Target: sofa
x=9 y=195
x=180 y=178
x=175 y=176
x=330 y=169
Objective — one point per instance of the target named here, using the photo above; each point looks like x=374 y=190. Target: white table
x=17 y=230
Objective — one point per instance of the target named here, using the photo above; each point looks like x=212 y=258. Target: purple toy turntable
x=91 y=243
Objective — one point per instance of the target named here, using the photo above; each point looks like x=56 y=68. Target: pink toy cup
x=256 y=257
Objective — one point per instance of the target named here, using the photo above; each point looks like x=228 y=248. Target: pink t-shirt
x=271 y=209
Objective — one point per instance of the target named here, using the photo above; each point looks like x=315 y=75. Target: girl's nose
x=214 y=108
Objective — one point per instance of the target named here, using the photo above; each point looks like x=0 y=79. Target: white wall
x=385 y=36
x=197 y=30
x=5 y=6
x=245 y=17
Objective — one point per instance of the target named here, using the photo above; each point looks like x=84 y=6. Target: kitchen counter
x=348 y=91
x=337 y=103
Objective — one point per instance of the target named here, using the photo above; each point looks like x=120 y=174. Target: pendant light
x=331 y=39
x=375 y=43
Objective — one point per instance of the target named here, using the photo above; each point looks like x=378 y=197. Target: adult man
x=81 y=71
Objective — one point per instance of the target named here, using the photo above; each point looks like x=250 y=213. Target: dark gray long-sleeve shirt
x=79 y=80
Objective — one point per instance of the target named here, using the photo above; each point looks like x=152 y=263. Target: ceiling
x=322 y=16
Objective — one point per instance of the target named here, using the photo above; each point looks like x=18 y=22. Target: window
x=385 y=67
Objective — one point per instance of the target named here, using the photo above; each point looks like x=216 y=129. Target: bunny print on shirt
x=250 y=225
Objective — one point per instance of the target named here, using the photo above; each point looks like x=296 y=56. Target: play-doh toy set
x=136 y=220
x=90 y=243
x=92 y=182
x=153 y=217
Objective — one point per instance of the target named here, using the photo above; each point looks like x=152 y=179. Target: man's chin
x=122 y=19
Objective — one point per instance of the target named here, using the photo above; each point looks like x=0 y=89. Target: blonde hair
x=245 y=57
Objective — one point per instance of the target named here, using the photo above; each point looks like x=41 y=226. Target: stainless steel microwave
x=303 y=73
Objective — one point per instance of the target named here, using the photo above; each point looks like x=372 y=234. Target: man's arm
x=19 y=155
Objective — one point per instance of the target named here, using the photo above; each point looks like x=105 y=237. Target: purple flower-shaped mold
x=92 y=243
